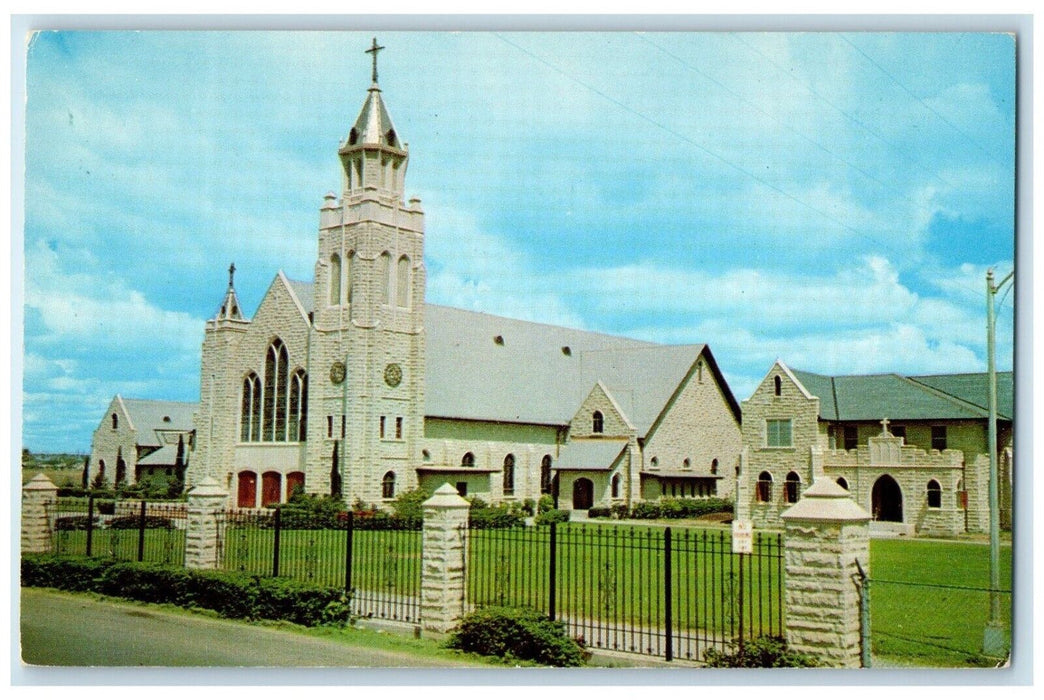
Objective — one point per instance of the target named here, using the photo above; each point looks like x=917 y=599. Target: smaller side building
x=912 y=450
x=142 y=442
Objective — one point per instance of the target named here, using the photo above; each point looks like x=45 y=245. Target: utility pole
x=993 y=642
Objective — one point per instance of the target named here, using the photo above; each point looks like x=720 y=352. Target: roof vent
x=499 y=340
x=166 y=419
x=567 y=351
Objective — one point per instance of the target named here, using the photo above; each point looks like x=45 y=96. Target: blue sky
x=833 y=200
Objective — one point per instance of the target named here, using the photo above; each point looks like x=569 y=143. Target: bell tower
x=367 y=396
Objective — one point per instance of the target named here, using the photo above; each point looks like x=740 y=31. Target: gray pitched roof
x=539 y=373
x=148 y=416
x=897 y=397
x=589 y=454
x=528 y=377
x=164 y=456
x=305 y=293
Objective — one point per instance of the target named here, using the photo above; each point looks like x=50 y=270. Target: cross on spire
x=884 y=425
x=373 y=50
x=231 y=272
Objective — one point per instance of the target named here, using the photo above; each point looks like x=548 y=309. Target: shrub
x=552 y=516
x=599 y=512
x=230 y=594
x=619 y=510
x=762 y=652
x=646 y=510
x=545 y=503
x=409 y=506
x=517 y=633
x=66 y=573
x=310 y=512
x=493 y=517
x=133 y=522
x=73 y=522
x=529 y=507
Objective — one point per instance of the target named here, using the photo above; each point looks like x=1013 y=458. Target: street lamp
x=993 y=642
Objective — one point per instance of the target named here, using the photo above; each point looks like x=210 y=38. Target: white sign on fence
x=742 y=537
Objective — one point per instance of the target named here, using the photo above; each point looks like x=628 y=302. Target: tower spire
x=373 y=50
x=231 y=272
x=229 y=310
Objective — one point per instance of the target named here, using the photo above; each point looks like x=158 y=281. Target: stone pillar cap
x=446 y=496
x=825 y=500
x=207 y=487
x=40 y=482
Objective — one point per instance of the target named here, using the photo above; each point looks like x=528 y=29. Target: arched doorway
x=271 y=482
x=583 y=494
x=294 y=482
x=246 y=493
x=886 y=500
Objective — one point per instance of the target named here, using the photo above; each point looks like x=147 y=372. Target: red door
x=294 y=481
x=270 y=483
x=247 y=491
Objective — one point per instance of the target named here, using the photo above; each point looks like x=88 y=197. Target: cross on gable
x=373 y=50
x=884 y=426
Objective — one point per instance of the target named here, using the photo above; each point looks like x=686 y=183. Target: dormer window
x=567 y=351
x=499 y=340
x=166 y=419
x=390 y=136
x=353 y=137
x=597 y=422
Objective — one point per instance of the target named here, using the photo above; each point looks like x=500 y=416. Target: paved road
x=60 y=629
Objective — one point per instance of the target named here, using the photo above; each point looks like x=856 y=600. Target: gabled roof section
x=302 y=292
x=484 y=367
x=589 y=454
x=894 y=396
x=152 y=417
x=374 y=126
x=972 y=388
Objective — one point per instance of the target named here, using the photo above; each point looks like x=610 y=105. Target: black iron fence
x=128 y=530
x=666 y=592
x=378 y=560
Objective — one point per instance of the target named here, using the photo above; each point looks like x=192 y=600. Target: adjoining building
x=142 y=441
x=352 y=384
x=912 y=450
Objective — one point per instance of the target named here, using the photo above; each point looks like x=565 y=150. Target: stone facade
x=443 y=566
x=358 y=338
x=39 y=499
x=826 y=535
x=114 y=440
x=905 y=485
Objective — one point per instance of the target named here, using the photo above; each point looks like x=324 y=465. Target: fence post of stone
x=39 y=501
x=205 y=525
x=826 y=533
x=445 y=549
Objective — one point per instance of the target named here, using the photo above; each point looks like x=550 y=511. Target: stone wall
x=697 y=425
x=108 y=444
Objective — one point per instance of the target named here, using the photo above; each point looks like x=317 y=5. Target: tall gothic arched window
x=335 y=280
x=384 y=272
x=509 y=475
x=275 y=392
x=402 y=282
x=545 y=474
x=250 y=411
x=298 y=406
x=348 y=263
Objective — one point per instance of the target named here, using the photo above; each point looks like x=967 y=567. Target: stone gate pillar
x=442 y=570
x=826 y=533
x=39 y=500
x=205 y=527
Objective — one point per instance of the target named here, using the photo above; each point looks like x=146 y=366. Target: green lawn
x=932 y=625
x=615 y=575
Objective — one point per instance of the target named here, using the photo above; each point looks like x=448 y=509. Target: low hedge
x=517 y=633
x=762 y=652
x=133 y=522
x=552 y=516
x=229 y=593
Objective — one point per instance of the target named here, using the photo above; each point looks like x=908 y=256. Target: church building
x=912 y=450
x=352 y=384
